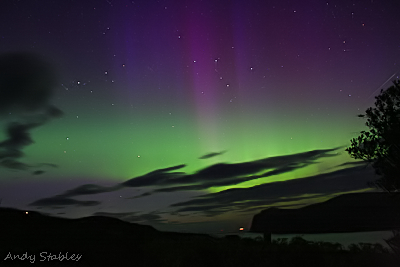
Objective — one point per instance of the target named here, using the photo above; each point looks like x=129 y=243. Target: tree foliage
x=381 y=144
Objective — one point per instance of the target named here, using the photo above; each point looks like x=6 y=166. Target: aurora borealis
x=195 y=115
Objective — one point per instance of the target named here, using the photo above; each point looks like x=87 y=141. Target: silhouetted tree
x=381 y=144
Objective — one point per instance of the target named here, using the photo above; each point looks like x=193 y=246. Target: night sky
x=187 y=115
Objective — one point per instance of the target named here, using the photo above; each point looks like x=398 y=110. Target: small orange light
x=26 y=212
x=241 y=228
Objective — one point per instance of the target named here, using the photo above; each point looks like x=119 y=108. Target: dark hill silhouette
x=95 y=238
x=101 y=240
x=356 y=212
x=106 y=241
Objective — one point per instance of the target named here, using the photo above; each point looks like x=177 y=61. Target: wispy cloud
x=221 y=174
x=227 y=174
x=64 y=200
x=211 y=155
x=243 y=199
x=61 y=202
x=157 y=177
x=88 y=189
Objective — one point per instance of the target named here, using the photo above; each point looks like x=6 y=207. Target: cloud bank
x=228 y=174
x=27 y=83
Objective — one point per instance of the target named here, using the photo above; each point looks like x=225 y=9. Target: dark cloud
x=349 y=179
x=211 y=155
x=13 y=164
x=228 y=174
x=232 y=171
x=11 y=149
x=54 y=112
x=157 y=177
x=89 y=189
x=26 y=86
x=153 y=178
x=26 y=83
x=18 y=137
x=38 y=172
x=60 y=202
x=65 y=198
x=221 y=174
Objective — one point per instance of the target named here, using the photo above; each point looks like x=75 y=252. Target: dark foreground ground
x=36 y=240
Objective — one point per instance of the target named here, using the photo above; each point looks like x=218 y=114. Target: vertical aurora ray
x=204 y=83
